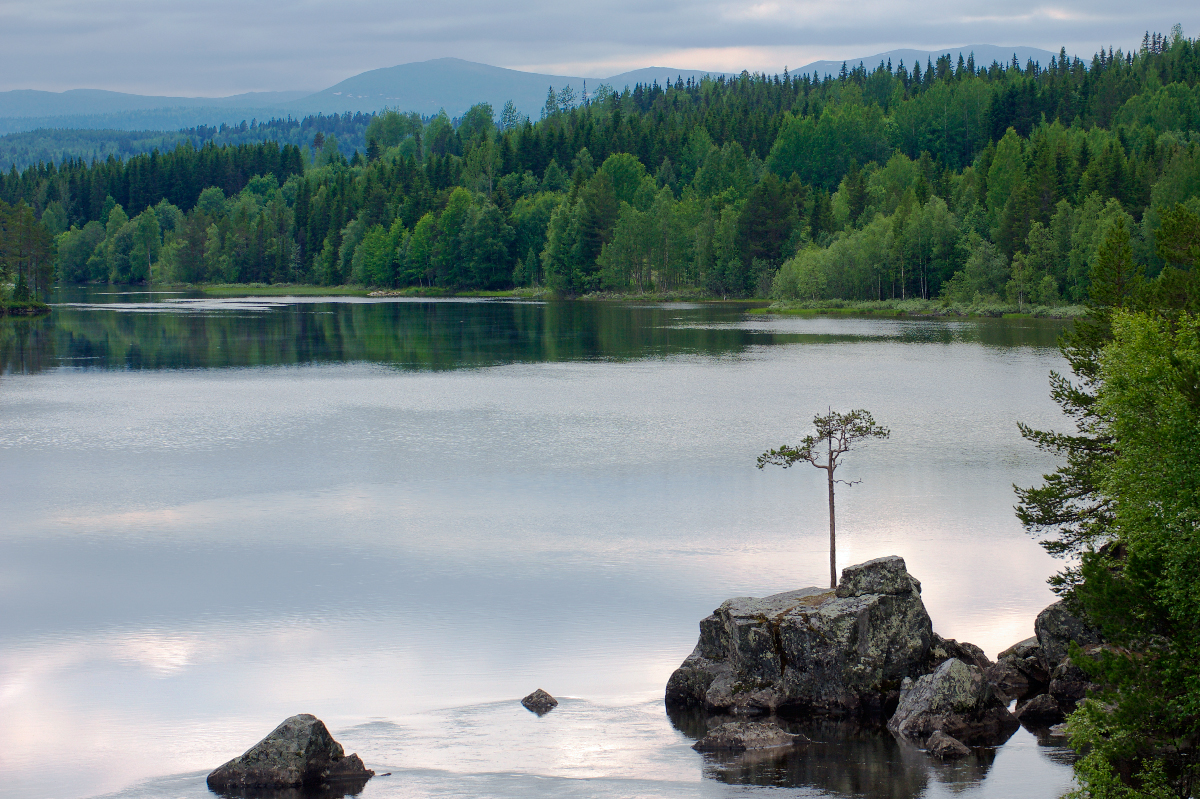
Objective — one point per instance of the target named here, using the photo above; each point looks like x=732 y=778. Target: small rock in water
x=300 y=752
x=745 y=736
x=539 y=702
x=947 y=748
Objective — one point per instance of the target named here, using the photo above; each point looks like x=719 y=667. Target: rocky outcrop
x=1056 y=627
x=539 y=702
x=747 y=736
x=957 y=700
x=811 y=651
x=299 y=753
x=1039 y=712
x=943 y=746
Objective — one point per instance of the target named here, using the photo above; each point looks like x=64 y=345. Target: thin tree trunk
x=832 y=526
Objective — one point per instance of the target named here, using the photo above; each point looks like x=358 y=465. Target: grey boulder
x=1021 y=662
x=1069 y=684
x=1056 y=627
x=300 y=752
x=1041 y=711
x=945 y=747
x=957 y=700
x=747 y=736
x=1008 y=680
x=942 y=649
x=539 y=702
x=840 y=652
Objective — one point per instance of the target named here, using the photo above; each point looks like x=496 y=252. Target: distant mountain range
x=424 y=86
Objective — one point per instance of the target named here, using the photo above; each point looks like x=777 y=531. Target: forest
x=955 y=181
x=57 y=145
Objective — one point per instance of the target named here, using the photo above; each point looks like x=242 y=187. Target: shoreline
x=917 y=308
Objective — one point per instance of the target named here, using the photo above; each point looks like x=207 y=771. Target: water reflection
x=191 y=555
x=117 y=330
x=339 y=790
x=851 y=759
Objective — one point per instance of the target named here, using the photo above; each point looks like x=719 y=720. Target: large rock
x=811 y=651
x=1008 y=680
x=747 y=736
x=957 y=700
x=1041 y=711
x=300 y=752
x=1069 y=685
x=1023 y=658
x=1056 y=627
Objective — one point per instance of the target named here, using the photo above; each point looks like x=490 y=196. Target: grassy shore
x=911 y=307
x=276 y=290
x=527 y=293
x=922 y=308
x=24 y=308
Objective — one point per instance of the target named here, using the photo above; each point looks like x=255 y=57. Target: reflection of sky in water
x=190 y=556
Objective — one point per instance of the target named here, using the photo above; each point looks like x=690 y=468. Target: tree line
x=948 y=179
x=60 y=145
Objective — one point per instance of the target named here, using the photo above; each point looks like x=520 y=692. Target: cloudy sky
x=221 y=47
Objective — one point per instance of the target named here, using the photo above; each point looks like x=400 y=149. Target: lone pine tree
x=839 y=432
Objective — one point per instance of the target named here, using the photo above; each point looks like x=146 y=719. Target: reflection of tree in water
x=424 y=335
x=407 y=335
x=24 y=345
x=845 y=758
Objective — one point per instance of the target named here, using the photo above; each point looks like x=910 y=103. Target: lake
x=404 y=515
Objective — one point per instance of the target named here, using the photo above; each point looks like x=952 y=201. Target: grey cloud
x=218 y=47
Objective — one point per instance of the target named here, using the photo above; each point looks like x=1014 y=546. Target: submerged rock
x=747 y=736
x=539 y=702
x=300 y=752
x=817 y=651
x=956 y=700
x=947 y=748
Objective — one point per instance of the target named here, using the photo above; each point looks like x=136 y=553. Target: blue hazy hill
x=427 y=87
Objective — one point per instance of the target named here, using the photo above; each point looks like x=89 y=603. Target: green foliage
x=1141 y=731
x=821 y=149
x=26 y=248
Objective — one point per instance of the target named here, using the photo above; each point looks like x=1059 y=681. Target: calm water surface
x=403 y=516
